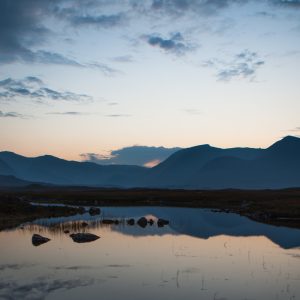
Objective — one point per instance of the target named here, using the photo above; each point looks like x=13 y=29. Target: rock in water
x=162 y=222
x=130 y=222
x=84 y=237
x=93 y=211
x=142 y=222
x=38 y=240
x=107 y=221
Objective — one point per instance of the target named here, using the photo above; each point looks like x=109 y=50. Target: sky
x=94 y=76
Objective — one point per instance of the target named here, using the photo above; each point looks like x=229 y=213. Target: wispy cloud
x=68 y=113
x=118 y=115
x=105 y=21
x=13 y=114
x=296 y=129
x=174 y=44
x=193 y=111
x=35 y=89
x=243 y=65
x=123 y=59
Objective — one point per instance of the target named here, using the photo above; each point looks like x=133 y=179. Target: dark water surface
x=199 y=255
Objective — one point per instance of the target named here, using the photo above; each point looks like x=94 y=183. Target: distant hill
x=5 y=169
x=200 y=167
x=50 y=169
x=11 y=181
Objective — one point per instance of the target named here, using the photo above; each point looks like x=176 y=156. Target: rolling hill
x=200 y=167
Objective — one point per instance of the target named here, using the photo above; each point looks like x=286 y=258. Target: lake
x=201 y=254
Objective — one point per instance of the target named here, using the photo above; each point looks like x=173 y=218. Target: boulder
x=38 y=240
x=84 y=224
x=162 y=222
x=84 y=237
x=93 y=211
x=142 y=222
x=151 y=222
x=66 y=231
x=130 y=222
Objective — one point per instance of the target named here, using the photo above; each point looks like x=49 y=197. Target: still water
x=200 y=255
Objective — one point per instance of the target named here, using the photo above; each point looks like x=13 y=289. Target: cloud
x=243 y=65
x=105 y=69
x=296 y=129
x=287 y=3
x=175 y=44
x=123 y=59
x=34 y=88
x=12 y=115
x=68 y=113
x=134 y=155
x=105 y=21
x=23 y=30
x=118 y=115
x=179 y=7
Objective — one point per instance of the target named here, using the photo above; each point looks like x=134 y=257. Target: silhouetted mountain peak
x=289 y=145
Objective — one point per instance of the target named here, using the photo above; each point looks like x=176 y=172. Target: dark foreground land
x=277 y=207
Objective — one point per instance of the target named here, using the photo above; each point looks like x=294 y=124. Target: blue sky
x=93 y=76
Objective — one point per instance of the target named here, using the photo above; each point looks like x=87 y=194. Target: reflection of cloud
x=14 y=266
x=34 y=88
x=40 y=288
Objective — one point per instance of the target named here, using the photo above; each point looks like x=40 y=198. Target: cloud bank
x=134 y=155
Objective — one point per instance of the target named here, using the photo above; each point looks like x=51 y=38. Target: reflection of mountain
x=189 y=221
x=198 y=167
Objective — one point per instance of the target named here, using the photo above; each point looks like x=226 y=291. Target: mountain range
x=200 y=167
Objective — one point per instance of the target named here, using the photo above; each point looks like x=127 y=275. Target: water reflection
x=199 y=255
x=193 y=222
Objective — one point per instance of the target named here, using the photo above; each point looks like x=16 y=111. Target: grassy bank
x=14 y=212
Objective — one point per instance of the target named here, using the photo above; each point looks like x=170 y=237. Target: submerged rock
x=151 y=222
x=109 y=221
x=66 y=231
x=130 y=222
x=84 y=224
x=162 y=222
x=84 y=237
x=142 y=222
x=93 y=211
x=38 y=240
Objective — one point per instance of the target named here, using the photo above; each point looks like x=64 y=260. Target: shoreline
x=275 y=207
